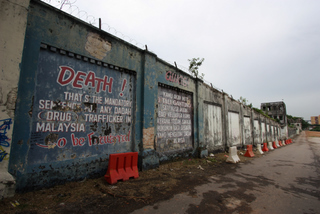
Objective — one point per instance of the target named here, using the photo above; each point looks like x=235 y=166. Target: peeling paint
x=247 y=130
x=148 y=138
x=97 y=46
x=234 y=129
x=213 y=126
x=257 y=132
x=11 y=102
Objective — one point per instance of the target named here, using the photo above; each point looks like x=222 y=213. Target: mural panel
x=174 y=120
x=82 y=108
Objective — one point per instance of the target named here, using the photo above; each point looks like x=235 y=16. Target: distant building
x=315 y=120
x=276 y=110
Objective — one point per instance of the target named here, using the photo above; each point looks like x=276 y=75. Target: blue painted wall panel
x=81 y=109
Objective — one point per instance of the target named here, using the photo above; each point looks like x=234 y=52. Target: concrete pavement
x=286 y=180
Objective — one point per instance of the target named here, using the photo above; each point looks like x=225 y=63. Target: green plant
x=245 y=102
x=261 y=112
x=317 y=129
x=194 y=65
x=213 y=160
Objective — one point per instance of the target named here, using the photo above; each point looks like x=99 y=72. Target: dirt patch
x=312 y=134
x=96 y=195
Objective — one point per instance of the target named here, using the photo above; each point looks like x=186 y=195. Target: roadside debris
x=15 y=203
x=199 y=167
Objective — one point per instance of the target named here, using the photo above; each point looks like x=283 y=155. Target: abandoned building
x=276 y=110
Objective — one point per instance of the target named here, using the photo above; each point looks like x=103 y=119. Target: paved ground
x=287 y=180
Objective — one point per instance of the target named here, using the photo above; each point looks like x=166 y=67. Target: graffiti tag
x=176 y=78
x=4 y=140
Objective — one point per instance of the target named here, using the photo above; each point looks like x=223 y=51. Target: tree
x=195 y=63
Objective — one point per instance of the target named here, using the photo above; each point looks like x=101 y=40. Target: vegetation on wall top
x=194 y=65
x=261 y=112
x=292 y=119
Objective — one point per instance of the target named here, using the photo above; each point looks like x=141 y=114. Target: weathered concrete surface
x=286 y=180
x=13 y=16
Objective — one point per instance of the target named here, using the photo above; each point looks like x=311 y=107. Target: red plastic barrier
x=280 y=143
x=249 y=152
x=265 y=147
x=274 y=145
x=122 y=166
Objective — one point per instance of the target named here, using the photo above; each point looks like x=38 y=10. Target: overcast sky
x=263 y=50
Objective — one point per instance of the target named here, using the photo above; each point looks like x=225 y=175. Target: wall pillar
x=149 y=158
x=225 y=121
x=13 y=16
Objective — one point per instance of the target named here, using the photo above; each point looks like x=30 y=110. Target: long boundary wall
x=84 y=94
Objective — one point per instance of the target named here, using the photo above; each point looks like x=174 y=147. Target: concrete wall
x=213 y=135
x=13 y=16
x=84 y=94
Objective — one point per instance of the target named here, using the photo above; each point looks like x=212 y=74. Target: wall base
x=148 y=159
x=7 y=185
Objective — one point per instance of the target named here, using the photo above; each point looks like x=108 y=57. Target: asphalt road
x=286 y=180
